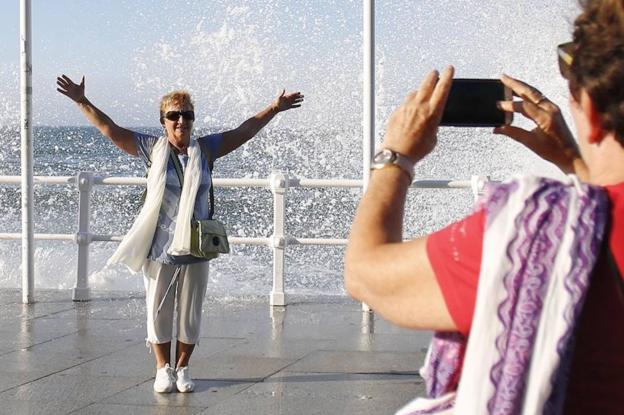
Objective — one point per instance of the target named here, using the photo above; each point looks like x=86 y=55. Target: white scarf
x=135 y=246
x=541 y=241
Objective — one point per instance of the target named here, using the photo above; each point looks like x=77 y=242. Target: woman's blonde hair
x=179 y=97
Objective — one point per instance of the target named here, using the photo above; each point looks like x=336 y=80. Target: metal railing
x=277 y=183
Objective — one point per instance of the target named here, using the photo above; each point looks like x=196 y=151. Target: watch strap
x=396 y=159
x=405 y=164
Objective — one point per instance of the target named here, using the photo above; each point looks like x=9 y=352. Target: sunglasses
x=565 y=53
x=175 y=115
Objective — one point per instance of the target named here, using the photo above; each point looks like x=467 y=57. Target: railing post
x=477 y=184
x=83 y=237
x=279 y=185
x=28 y=241
x=368 y=87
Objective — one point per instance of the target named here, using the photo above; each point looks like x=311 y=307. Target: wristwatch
x=387 y=157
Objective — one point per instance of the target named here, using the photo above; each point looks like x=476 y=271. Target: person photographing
x=525 y=294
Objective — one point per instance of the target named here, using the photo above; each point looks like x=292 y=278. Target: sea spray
x=234 y=60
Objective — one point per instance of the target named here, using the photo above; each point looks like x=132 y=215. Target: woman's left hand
x=551 y=138
x=287 y=101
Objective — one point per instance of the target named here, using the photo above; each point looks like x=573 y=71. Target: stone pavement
x=59 y=357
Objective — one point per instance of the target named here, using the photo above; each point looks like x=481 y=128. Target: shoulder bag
x=208 y=236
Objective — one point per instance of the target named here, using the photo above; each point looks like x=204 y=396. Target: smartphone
x=472 y=103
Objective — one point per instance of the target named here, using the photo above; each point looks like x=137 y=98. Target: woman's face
x=178 y=126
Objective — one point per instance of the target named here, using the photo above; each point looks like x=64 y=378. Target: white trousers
x=187 y=294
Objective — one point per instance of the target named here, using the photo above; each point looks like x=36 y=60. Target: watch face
x=384 y=156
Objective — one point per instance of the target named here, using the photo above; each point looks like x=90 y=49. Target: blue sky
x=234 y=56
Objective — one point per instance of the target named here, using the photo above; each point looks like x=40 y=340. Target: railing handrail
x=236 y=182
x=277 y=183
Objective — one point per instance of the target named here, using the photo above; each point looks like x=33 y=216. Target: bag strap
x=180 y=173
x=208 y=155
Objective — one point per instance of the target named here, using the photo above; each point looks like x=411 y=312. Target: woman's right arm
x=121 y=137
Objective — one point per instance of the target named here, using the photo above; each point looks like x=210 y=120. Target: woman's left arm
x=237 y=137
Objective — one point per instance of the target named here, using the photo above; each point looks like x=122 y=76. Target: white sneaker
x=184 y=382
x=165 y=379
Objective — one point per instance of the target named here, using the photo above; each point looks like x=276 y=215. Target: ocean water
x=233 y=58
x=247 y=271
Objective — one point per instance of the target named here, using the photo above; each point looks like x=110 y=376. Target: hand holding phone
x=472 y=103
x=551 y=138
x=412 y=127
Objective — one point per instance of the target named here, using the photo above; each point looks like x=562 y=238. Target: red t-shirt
x=597 y=374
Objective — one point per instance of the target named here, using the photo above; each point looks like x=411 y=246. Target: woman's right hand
x=71 y=90
x=413 y=126
x=551 y=139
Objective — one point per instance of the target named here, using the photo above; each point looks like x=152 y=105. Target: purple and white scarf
x=541 y=242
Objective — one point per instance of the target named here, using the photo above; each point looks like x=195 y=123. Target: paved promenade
x=60 y=357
